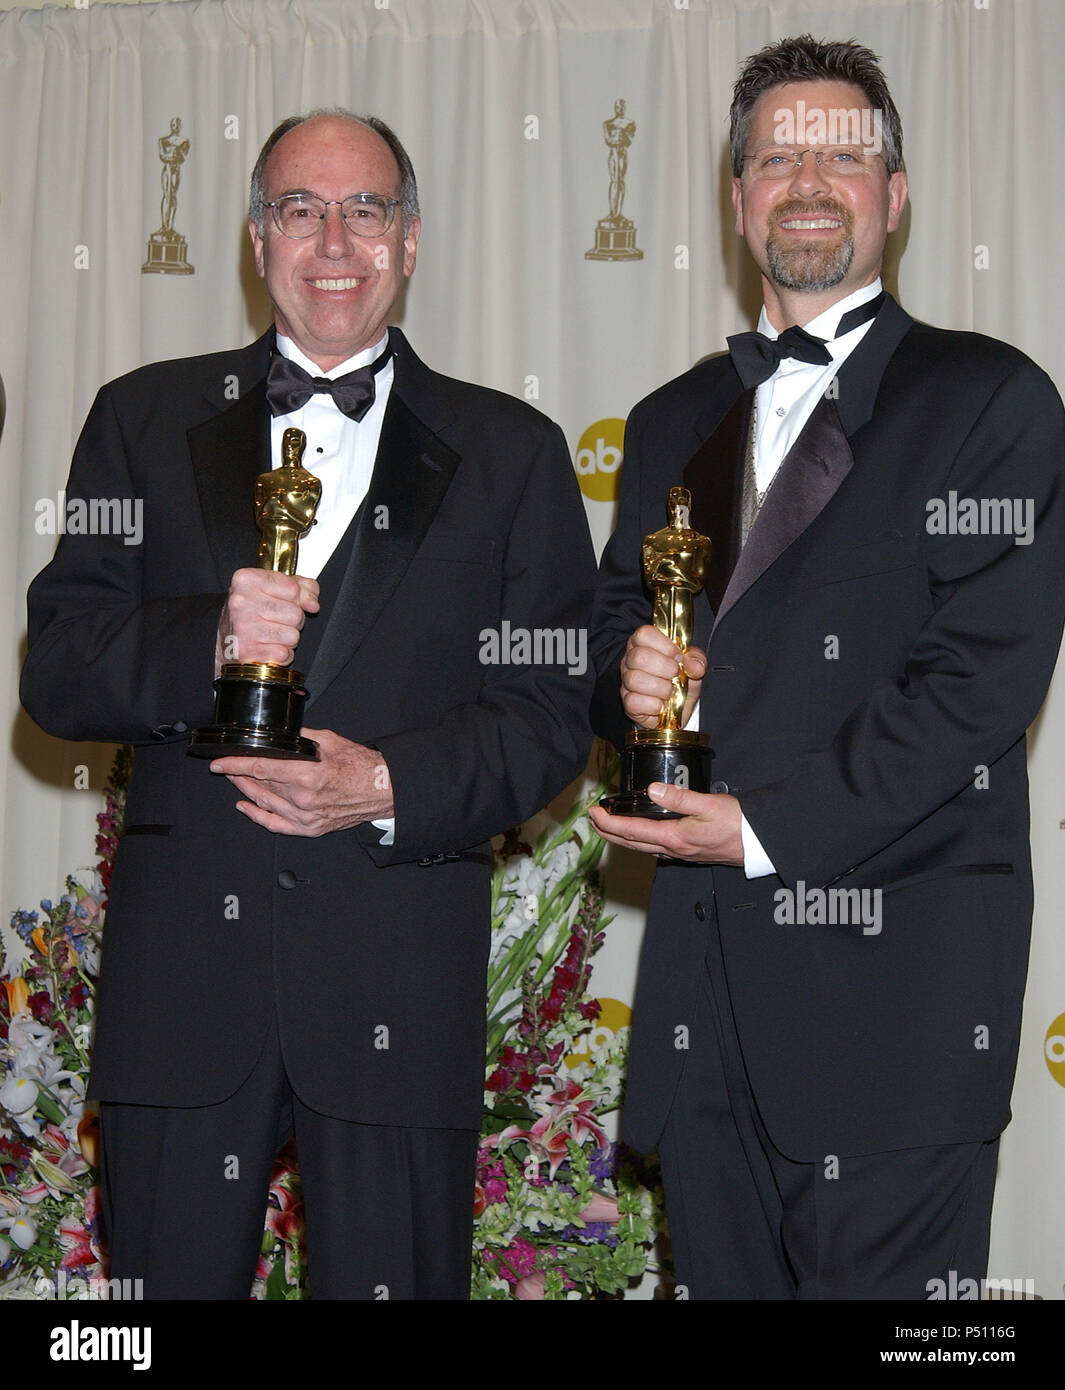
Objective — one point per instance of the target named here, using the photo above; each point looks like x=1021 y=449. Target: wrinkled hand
x=348 y=786
x=648 y=666
x=708 y=833
x=263 y=616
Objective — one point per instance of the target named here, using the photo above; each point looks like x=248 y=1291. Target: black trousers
x=748 y=1223
x=389 y=1211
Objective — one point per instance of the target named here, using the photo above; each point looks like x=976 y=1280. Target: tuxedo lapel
x=714 y=477
x=805 y=483
x=820 y=459
x=228 y=451
x=858 y=380
x=411 y=475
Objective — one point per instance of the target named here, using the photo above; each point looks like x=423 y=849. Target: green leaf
x=277 y=1285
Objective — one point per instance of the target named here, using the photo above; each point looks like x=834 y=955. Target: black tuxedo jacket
x=371 y=958
x=869 y=688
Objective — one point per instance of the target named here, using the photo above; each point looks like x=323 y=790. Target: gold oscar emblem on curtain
x=166 y=248
x=615 y=236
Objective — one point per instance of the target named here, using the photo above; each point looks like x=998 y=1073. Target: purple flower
x=24 y=923
x=601 y=1164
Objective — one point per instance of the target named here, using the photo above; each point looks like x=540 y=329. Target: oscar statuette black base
x=674 y=756
x=258 y=713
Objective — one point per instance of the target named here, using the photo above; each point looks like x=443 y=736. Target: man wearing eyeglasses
x=828 y=1012
x=295 y=947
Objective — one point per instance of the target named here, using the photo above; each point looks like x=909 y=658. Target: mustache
x=823 y=208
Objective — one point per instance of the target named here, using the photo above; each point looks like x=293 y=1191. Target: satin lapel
x=411 y=474
x=714 y=476
x=858 y=381
x=821 y=457
x=228 y=453
x=805 y=483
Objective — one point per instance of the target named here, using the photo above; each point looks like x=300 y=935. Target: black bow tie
x=289 y=387
x=757 y=357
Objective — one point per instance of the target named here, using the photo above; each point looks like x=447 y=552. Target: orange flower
x=18 y=996
x=39 y=939
x=89 y=1139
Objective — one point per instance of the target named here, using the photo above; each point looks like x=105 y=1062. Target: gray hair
x=408 y=184
x=806 y=59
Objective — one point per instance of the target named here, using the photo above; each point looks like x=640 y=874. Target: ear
x=737 y=203
x=257 y=247
x=410 y=245
x=898 y=192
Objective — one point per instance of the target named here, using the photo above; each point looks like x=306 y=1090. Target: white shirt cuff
x=756 y=863
x=388 y=825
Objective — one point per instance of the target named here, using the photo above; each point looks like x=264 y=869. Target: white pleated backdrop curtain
x=501 y=104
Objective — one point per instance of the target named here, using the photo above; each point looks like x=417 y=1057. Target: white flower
x=71 y=1120
x=30 y=1126
x=18 y=1095
x=511 y=874
x=514 y=921
x=90 y=958
x=563 y=861
x=32 y=1047
x=530 y=878
x=22 y=1232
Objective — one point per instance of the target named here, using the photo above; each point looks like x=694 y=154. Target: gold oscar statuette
x=167 y=249
x=674 y=566
x=615 y=235
x=259 y=704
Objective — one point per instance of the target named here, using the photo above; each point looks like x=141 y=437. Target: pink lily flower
x=601 y=1208
x=531 y=1287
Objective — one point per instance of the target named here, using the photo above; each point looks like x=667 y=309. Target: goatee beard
x=809 y=267
x=809 y=270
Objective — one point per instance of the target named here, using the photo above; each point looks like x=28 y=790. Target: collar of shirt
x=287 y=348
x=824 y=325
x=786 y=401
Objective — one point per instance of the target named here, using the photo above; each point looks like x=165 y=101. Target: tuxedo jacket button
x=700 y=912
x=287 y=879
x=719 y=786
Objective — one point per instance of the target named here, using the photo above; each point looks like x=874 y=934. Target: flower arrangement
x=558 y=1213
x=282 y=1269
x=49 y=1198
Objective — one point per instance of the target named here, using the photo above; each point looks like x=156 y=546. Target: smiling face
x=815 y=237
x=332 y=291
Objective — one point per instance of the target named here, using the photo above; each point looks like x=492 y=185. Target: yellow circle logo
x=613 y=1015
x=599 y=458
x=1054 y=1049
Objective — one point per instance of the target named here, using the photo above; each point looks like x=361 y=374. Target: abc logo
x=612 y=1017
x=1054 y=1049
x=599 y=458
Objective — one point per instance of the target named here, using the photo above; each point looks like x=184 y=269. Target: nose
x=335 y=239
x=808 y=177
